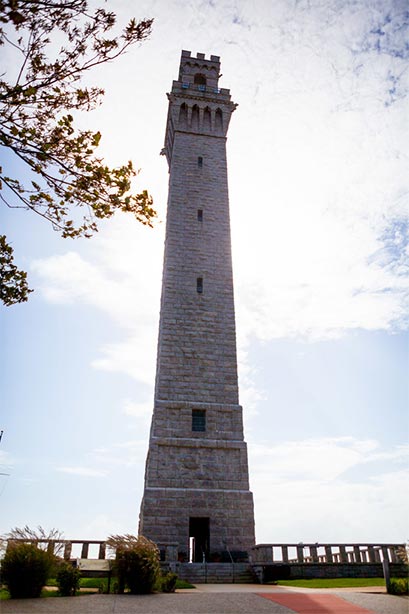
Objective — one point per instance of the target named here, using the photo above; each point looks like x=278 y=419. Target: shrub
x=25 y=570
x=168 y=582
x=398 y=586
x=68 y=579
x=136 y=563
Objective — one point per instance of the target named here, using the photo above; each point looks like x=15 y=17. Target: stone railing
x=325 y=553
x=80 y=548
x=64 y=547
x=288 y=554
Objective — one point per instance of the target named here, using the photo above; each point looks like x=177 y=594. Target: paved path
x=218 y=599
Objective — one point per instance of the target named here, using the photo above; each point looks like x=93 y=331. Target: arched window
x=219 y=120
x=200 y=82
x=183 y=115
x=206 y=119
x=200 y=79
x=195 y=117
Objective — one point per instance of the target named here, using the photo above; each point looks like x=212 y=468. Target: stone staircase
x=216 y=573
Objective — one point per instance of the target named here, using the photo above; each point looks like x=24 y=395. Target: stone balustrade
x=64 y=547
x=287 y=554
x=325 y=553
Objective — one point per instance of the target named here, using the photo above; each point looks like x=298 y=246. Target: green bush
x=25 y=570
x=168 y=582
x=398 y=586
x=136 y=564
x=68 y=579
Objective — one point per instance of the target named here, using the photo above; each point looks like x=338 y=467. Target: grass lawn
x=332 y=582
x=95 y=583
x=4 y=594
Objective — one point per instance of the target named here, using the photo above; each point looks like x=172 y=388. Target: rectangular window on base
x=199 y=285
x=200 y=161
x=199 y=420
x=200 y=215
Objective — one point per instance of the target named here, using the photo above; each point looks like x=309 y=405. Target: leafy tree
x=54 y=43
x=13 y=286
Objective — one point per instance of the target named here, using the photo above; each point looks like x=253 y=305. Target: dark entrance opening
x=199 y=539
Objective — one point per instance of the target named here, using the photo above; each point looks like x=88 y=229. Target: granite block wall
x=194 y=473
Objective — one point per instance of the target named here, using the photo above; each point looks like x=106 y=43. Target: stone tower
x=196 y=480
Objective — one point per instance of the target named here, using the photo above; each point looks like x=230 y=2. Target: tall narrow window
x=199 y=285
x=207 y=119
x=200 y=215
x=195 y=117
x=198 y=420
x=219 y=120
x=183 y=115
x=200 y=161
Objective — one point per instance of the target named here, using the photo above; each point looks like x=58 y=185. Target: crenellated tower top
x=196 y=103
x=199 y=71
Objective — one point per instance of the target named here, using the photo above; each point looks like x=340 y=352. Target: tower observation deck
x=196 y=480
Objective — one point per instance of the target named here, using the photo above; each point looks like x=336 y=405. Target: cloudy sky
x=318 y=157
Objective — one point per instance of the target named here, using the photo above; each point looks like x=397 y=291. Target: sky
x=318 y=181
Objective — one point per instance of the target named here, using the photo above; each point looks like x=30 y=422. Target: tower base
x=204 y=523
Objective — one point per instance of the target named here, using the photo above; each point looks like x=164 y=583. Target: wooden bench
x=95 y=568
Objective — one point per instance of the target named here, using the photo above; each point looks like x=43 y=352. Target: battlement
x=196 y=103
x=200 y=56
x=197 y=71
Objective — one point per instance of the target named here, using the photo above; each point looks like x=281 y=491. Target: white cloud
x=399 y=453
x=125 y=454
x=88 y=472
x=100 y=526
x=367 y=511
x=283 y=460
x=324 y=171
x=121 y=278
x=312 y=490
x=5 y=459
x=138 y=410
x=70 y=278
x=119 y=275
x=135 y=356
x=317 y=176
x=101 y=462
